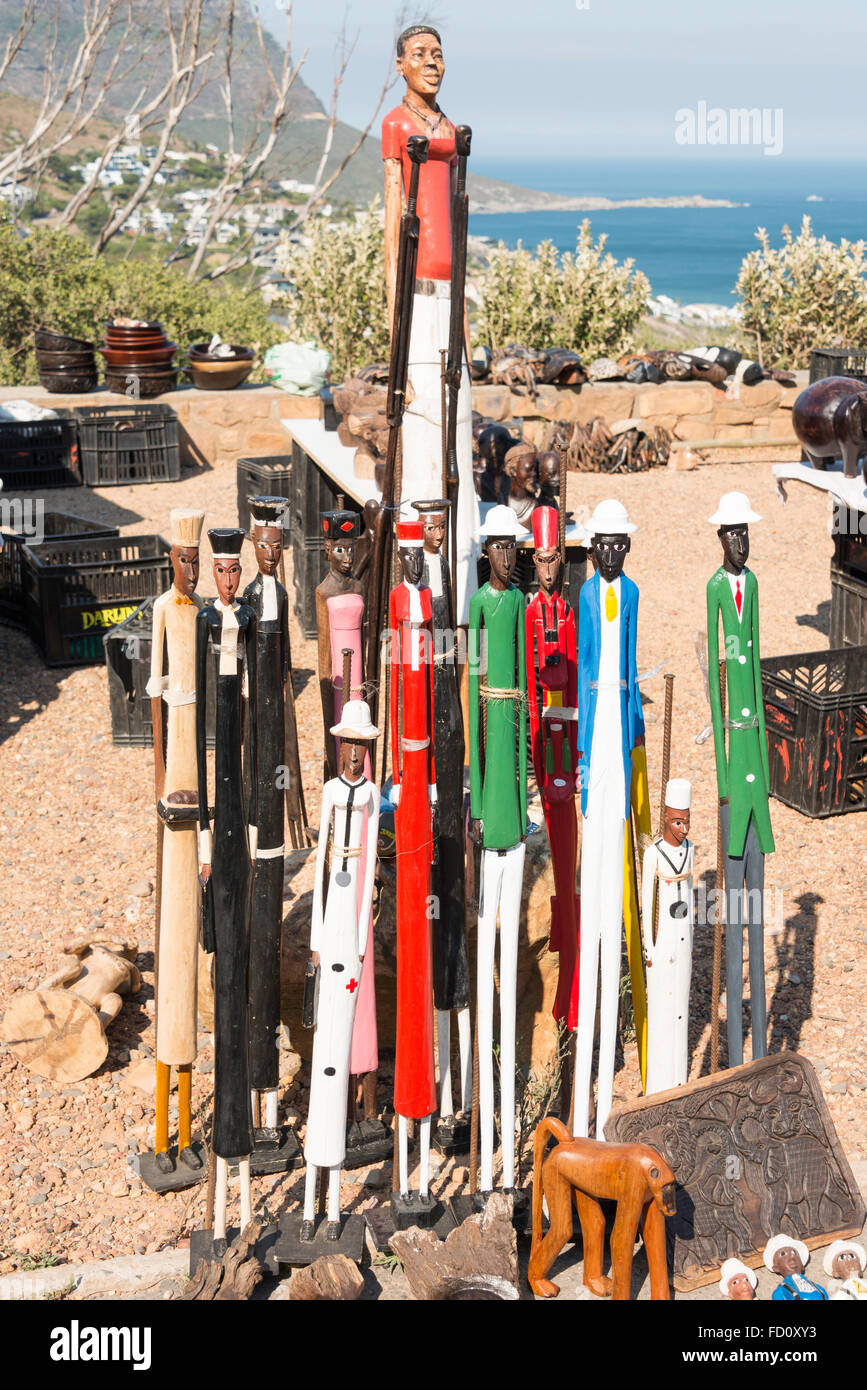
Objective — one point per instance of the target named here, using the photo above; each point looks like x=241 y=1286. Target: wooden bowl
x=45 y=340
x=129 y=356
x=63 y=361
x=199 y=352
x=141 y=331
x=219 y=375
x=147 y=385
x=68 y=383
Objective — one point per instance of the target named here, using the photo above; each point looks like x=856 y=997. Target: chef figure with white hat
x=610 y=726
x=743 y=778
x=667 y=868
x=788 y=1257
x=737 y=1281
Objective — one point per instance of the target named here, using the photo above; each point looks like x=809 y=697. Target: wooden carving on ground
x=754 y=1152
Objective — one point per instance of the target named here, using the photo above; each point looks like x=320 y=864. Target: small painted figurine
x=410 y=625
x=450 y=967
x=552 y=688
x=349 y=824
x=737 y=1281
x=789 y=1258
x=227 y=631
x=172 y=688
x=742 y=775
x=667 y=908
x=846 y=1260
x=610 y=727
x=498 y=811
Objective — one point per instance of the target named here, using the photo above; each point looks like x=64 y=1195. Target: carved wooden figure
x=742 y=775
x=846 y=1260
x=667 y=878
x=610 y=727
x=788 y=1257
x=552 y=689
x=522 y=470
x=172 y=688
x=737 y=1281
x=227 y=631
x=341 y=530
x=339 y=942
x=632 y=1175
x=410 y=625
x=830 y=419
x=421 y=65
x=498 y=811
x=450 y=967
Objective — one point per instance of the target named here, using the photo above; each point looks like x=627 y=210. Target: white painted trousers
x=422 y=434
x=502 y=876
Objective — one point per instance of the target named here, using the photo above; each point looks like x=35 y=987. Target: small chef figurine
x=742 y=775
x=349 y=821
x=498 y=810
x=552 y=689
x=173 y=697
x=610 y=727
x=226 y=629
x=450 y=967
x=410 y=626
x=846 y=1260
x=789 y=1258
x=737 y=1281
x=666 y=876
x=341 y=530
x=521 y=469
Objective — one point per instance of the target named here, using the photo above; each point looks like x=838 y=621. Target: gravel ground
x=79 y=857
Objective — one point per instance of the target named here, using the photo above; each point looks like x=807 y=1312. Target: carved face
x=549 y=470
x=434 y=532
x=735 y=541
x=787 y=1261
x=676 y=826
x=340 y=555
x=422 y=65
x=846 y=1265
x=185 y=568
x=227 y=575
x=411 y=562
x=610 y=554
x=268 y=545
x=661 y=1182
x=523 y=475
x=740 y=1288
x=352 y=753
x=502 y=556
x=547 y=564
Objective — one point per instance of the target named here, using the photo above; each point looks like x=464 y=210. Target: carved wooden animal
x=633 y=1175
x=830 y=420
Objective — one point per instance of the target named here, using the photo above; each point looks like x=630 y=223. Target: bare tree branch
x=15 y=41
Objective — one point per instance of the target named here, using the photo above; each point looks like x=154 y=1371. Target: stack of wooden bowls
x=219 y=373
x=66 y=366
x=138 y=359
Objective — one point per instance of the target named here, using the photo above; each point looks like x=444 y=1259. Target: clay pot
x=127 y=356
x=64 y=361
x=148 y=386
x=47 y=341
x=68 y=383
x=219 y=375
x=199 y=353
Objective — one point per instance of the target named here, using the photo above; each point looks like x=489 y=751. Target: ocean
x=691 y=254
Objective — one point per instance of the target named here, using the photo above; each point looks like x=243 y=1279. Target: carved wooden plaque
x=755 y=1153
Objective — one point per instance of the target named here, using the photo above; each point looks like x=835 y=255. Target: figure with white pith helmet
x=743 y=778
x=846 y=1260
x=787 y=1257
x=737 y=1281
x=610 y=727
x=666 y=893
x=340 y=922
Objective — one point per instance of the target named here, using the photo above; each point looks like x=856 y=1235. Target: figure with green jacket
x=498 y=816
x=742 y=774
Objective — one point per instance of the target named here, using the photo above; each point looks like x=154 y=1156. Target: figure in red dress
x=552 y=686
x=410 y=622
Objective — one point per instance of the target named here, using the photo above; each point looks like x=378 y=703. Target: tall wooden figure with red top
x=410 y=622
x=420 y=63
x=552 y=687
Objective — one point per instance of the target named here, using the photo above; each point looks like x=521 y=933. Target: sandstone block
x=494 y=402
x=694 y=427
x=675 y=398
x=763 y=393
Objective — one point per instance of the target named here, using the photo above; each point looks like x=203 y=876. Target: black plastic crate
x=309 y=567
x=271 y=476
x=848 y=361
x=127 y=649
x=52 y=524
x=75 y=589
x=38 y=454
x=128 y=444
x=311 y=493
x=848 y=609
x=816 y=720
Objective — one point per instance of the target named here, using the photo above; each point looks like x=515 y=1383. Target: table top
x=850 y=491
x=337 y=460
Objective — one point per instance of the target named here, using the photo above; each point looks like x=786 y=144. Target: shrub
x=337 y=297
x=809 y=293
x=587 y=301
x=51 y=279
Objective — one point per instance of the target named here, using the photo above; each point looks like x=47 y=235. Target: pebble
x=142 y=889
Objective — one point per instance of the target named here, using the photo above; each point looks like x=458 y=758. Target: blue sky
x=545 y=77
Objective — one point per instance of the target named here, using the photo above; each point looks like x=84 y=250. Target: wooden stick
x=562 y=520
x=666 y=769
x=720 y=902
x=346 y=653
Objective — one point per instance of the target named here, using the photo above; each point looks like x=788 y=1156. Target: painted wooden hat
x=355 y=721
x=226 y=542
x=611 y=519
x=501 y=521
x=267 y=511
x=186 y=526
x=344 y=526
x=734 y=510
x=546 y=528
x=410 y=535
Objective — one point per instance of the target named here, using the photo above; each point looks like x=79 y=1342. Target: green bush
x=586 y=301
x=338 y=290
x=810 y=293
x=51 y=279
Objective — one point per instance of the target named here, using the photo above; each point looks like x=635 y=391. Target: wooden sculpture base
x=452 y=1136
x=368 y=1142
x=402 y=1213
x=203 y=1247
x=275 y=1151
x=181 y=1176
x=289 y=1250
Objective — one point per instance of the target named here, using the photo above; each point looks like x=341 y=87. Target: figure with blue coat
x=788 y=1257
x=610 y=726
